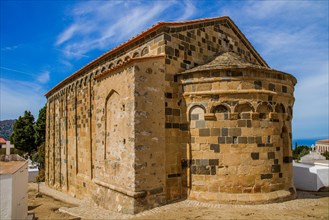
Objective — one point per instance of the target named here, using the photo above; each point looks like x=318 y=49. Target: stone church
x=182 y=110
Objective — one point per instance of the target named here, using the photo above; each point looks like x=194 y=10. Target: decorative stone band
x=244 y=198
x=118 y=189
x=243 y=91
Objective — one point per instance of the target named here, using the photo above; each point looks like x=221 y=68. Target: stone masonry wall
x=240 y=135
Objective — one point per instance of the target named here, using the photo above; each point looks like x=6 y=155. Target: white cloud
x=102 y=25
x=44 y=77
x=17 y=96
x=189 y=10
x=292 y=36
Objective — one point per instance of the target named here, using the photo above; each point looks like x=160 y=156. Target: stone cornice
x=124 y=64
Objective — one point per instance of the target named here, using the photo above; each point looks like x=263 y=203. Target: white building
x=13 y=187
x=322 y=146
x=312 y=172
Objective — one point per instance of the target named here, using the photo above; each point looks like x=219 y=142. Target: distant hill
x=6 y=128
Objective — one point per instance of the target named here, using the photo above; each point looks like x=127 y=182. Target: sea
x=306 y=142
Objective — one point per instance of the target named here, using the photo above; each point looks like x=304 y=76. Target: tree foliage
x=326 y=155
x=40 y=127
x=23 y=133
x=300 y=151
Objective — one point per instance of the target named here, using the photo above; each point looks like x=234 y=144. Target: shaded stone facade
x=183 y=110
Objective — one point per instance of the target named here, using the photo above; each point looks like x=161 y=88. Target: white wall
x=13 y=188
x=310 y=177
x=5 y=196
x=19 y=202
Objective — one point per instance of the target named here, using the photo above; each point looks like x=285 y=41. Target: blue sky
x=42 y=42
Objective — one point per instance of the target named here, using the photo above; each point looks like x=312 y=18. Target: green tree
x=300 y=151
x=23 y=133
x=326 y=154
x=40 y=132
x=40 y=127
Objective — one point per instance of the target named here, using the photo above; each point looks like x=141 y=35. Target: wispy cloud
x=10 y=48
x=16 y=71
x=17 y=96
x=44 y=77
x=98 y=25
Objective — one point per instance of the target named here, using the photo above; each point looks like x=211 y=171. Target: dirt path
x=307 y=206
x=46 y=207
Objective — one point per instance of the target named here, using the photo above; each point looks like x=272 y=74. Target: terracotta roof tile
x=2 y=140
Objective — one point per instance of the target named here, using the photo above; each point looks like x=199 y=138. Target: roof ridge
x=149 y=31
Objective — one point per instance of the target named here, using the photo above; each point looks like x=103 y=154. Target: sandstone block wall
x=131 y=133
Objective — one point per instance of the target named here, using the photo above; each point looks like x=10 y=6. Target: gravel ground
x=308 y=205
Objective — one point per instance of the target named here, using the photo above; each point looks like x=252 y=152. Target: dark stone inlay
x=276 y=168
x=266 y=176
x=224 y=132
x=229 y=140
x=213 y=162
x=168 y=111
x=183 y=127
x=215 y=148
x=168 y=125
x=174 y=175
x=242 y=140
x=248 y=123
x=276 y=161
x=251 y=140
x=277 y=148
x=287 y=159
x=270 y=155
x=176 y=112
x=258 y=140
x=204 y=132
x=280 y=175
x=175 y=125
x=212 y=170
x=215 y=131
x=255 y=155
x=221 y=140
x=156 y=190
x=168 y=95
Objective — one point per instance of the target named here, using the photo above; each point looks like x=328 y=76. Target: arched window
x=219 y=109
x=264 y=109
x=221 y=112
x=258 y=84
x=242 y=109
x=271 y=87
x=279 y=108
x=127 y=58
x=145 y=51
x=119 y=62
x=136 y=54
x=113 y=125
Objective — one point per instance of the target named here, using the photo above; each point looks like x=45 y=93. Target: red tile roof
x=149 y=31
x=323 y=141
x=2 y=140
